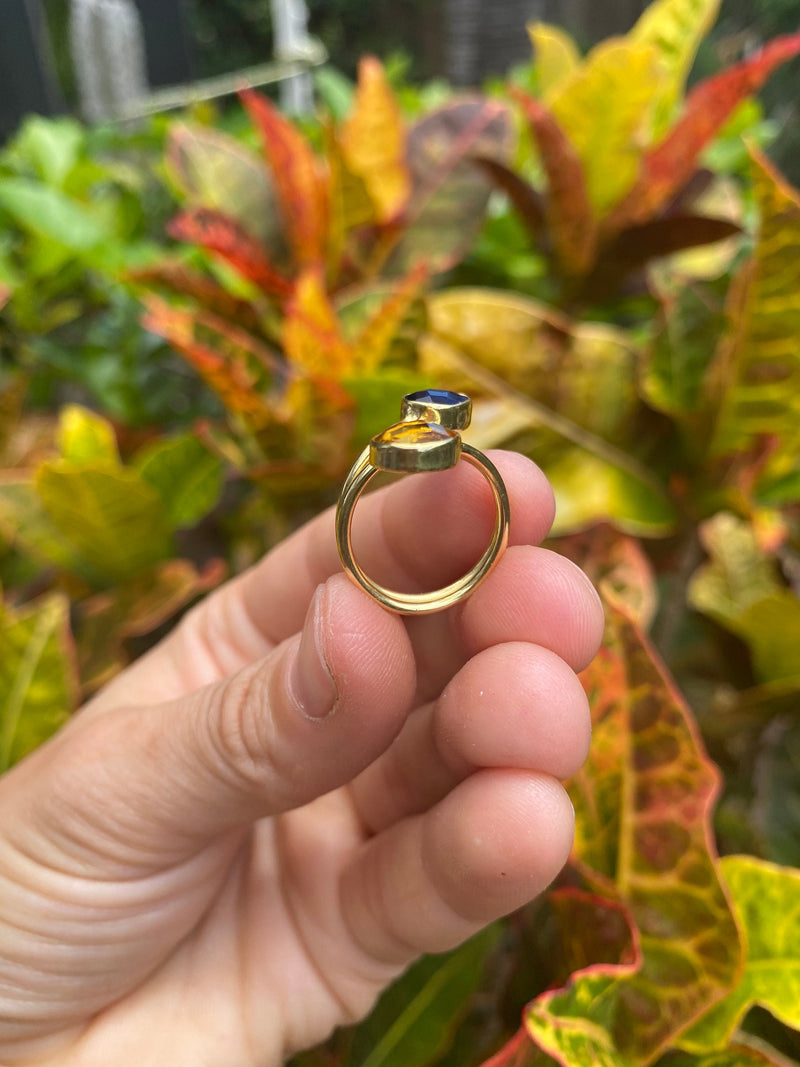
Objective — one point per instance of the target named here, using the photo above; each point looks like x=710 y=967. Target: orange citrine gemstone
x=415 y=446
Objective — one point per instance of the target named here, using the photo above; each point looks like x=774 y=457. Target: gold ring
x=428 y=438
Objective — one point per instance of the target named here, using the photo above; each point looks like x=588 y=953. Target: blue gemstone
x=437 y=396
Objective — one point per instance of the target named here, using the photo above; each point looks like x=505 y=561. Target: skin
x=254 y=829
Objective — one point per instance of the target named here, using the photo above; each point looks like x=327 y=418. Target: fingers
x=513 y=705
x=417 y=533
x=431 y=881
x=534 y=595
x=292 y=726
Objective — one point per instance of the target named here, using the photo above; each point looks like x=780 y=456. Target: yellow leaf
x=38 y=686
x=675 y=28
x=83 y=435
x=586 y=372
x=312 y=337
x=109 y=515
x=758 y=367
x=375 y=340
x=557 y=56
x=350 y=204
x=374 y=142
x=605 y=108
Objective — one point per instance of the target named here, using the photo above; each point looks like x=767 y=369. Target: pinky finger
x=429 y=882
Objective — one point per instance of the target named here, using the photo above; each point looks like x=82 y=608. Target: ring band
x=427 y=438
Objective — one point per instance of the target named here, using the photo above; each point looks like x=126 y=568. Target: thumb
x=162 y=781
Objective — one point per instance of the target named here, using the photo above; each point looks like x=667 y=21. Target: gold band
x=427 y=439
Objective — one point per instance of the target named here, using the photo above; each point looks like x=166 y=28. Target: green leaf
x=766 y=900
x=111 y=518
x=413 y=1022
x=50 y=214
x=776 y=811
x=187 y=477
x=136 y=607
x=735 y=1055
x=574 y=1026
x=589 y=489
x=335 y=90
x=772 y=629
x=84 y=435
x=643 y=804
x=375 y=398
x=25 y=523
x=740 y=589
x=687 y=330
x=52 y=145
x=38 y=686
x=215 y=171
x=595 y=946
x=780 y=490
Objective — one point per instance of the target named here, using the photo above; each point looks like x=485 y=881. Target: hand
x=250 y=832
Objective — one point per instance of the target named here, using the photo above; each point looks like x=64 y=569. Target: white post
x=290 y=24
x=108 y=54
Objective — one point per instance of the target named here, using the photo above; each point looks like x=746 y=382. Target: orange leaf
x=300 y=186
x=312 y=337
x=373 y=343
x=239 y=375
x=618 y=565
x=176 y=277
x=570 y=214
x=373 y=141
x=644 y=801
x=669 y=166
x=223 y=235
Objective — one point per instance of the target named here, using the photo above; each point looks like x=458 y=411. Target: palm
x=266 y=948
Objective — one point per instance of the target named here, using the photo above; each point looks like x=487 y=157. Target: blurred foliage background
x=205 y=314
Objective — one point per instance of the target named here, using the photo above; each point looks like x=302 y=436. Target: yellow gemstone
x=415 y=446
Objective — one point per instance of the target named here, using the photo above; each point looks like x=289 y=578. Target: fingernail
x=311 y=681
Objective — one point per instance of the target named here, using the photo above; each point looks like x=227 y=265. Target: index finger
x=416 y=535
x=419 y=533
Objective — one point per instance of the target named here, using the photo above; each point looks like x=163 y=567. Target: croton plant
x=651 y=368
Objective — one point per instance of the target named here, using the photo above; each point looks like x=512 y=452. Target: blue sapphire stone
x=437 y=396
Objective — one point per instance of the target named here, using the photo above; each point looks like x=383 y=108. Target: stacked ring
x=428 y=438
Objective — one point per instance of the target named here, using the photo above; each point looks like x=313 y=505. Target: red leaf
x=237 y=368
x=300 y=186
x=637 y=245
x=669 y=166
x=177 y=278
x=449 y=195
x=518 y=1051
x=527 y=201
x=571 y=218
x=221 y=234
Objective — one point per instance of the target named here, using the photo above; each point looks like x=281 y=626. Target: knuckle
x=240 y=726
